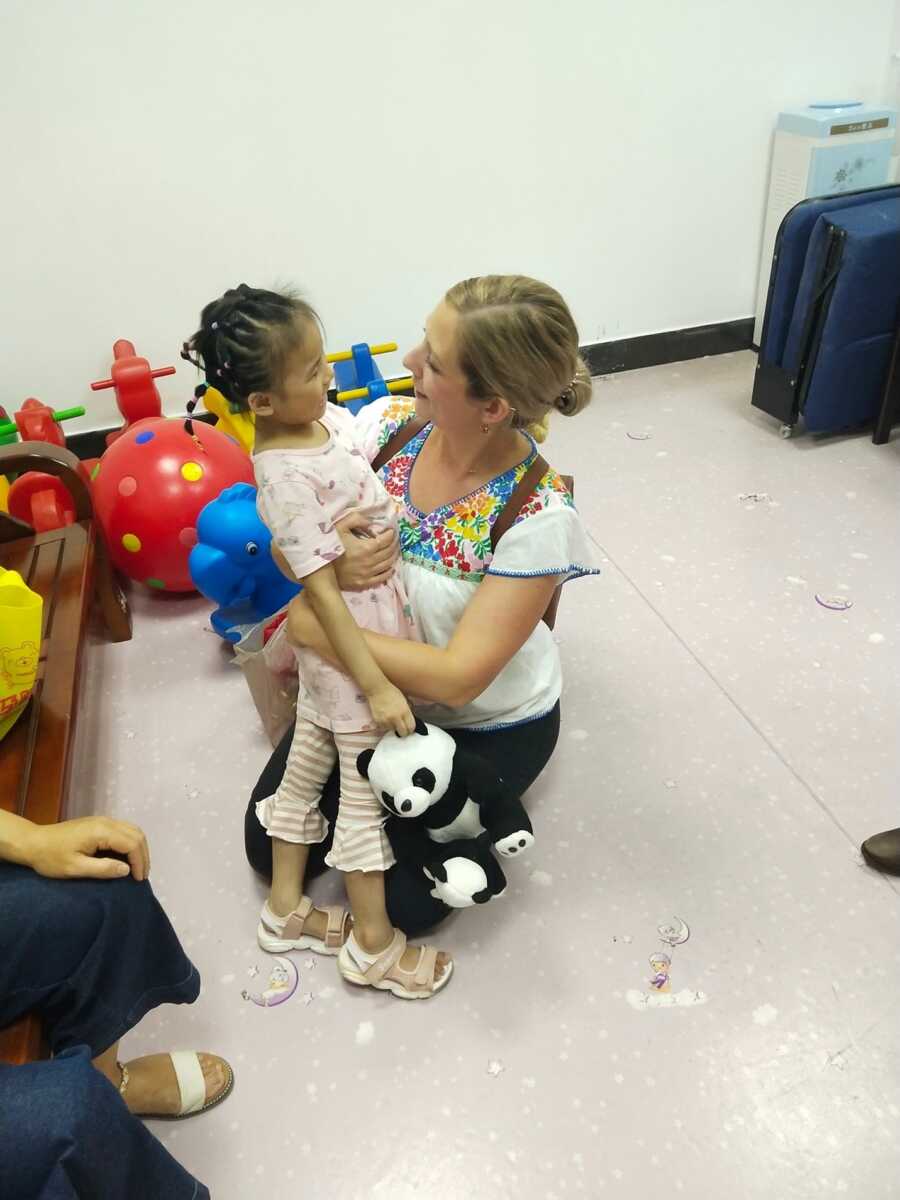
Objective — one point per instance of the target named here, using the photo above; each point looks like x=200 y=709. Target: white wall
x=892 y=85
x=158 y=152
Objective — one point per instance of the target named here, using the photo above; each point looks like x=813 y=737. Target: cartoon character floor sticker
x=660 y=984
x=283 y=980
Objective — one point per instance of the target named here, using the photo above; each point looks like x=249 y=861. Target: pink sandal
x=278 y=935
x=386 y=974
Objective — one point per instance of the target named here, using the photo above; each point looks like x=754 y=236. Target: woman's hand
x=368 y=559
x=73 y=849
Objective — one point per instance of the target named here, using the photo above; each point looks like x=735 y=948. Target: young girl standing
x=263 y=350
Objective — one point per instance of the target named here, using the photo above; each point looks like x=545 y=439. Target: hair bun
x=567 y=400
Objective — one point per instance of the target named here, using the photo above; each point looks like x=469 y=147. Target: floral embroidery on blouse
x=455 y=539
x=396 y=414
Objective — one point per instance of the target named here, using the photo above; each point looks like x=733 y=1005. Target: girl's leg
x=518 y=754
x=361 y=848
x=288 y=875
x=257 y=843
x=291 y=816
x=362 y=851
x=371 y=925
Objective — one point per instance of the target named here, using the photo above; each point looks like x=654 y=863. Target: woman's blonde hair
x=517 y=339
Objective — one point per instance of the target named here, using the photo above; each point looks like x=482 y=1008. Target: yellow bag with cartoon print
x=21 y=610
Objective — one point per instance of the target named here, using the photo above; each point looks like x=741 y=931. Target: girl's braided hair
x=244 y=339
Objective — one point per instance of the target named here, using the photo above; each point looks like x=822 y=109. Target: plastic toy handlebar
x=395 y=385
x=64 y=414
x=346 y=355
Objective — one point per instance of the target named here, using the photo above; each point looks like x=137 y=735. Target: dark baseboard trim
x=675 y=345
x=602 y=358
x=92 y=442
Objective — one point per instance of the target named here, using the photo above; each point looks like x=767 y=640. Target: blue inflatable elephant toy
x=232 y=564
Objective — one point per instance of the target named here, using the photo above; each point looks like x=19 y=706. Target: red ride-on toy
x=39 y=499
x=136 y=394
x=35 y=422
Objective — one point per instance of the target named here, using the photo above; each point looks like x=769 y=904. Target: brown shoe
x=882 y=851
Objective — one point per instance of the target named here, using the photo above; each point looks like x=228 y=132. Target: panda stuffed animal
x=448 y=810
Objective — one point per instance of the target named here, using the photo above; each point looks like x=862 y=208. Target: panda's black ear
x=362 y=763
x=421 y=727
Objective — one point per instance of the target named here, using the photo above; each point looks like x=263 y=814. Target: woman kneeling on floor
x=500 y=354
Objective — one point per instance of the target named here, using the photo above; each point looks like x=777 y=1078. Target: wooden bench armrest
x=55 y=460
x=19 y=457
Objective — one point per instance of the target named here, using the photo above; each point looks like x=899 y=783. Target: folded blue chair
x=832 y=311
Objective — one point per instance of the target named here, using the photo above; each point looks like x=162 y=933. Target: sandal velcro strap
x=425 y=968
x=387 y=960
x=337 y=920
x=293 y=925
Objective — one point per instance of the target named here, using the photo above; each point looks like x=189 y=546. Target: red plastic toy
x=136 y=394
x=37 y=422
x=149 y=488
x=41 y=501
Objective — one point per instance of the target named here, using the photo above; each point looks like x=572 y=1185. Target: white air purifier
x=819 y=151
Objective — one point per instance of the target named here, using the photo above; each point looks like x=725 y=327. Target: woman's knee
x=410 y=905
x=257 y=843
x=57 y=922
x=273 y=771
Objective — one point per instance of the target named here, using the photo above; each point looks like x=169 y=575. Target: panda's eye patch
x=387 y=798
x=424 y=779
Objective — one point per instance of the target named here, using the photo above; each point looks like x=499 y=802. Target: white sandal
x=191 y=1086
x=290 y=935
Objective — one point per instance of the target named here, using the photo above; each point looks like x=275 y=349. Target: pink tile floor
x=726 y=745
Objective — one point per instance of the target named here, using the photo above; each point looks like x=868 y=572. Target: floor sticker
x=660 y=994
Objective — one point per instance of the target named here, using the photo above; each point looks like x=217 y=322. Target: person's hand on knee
x=75 y=849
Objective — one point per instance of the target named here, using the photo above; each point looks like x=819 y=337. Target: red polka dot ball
x=149 y=488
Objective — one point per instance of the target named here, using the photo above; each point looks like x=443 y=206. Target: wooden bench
x=70 y=568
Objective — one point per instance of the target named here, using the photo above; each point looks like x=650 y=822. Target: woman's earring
x=485 y=429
